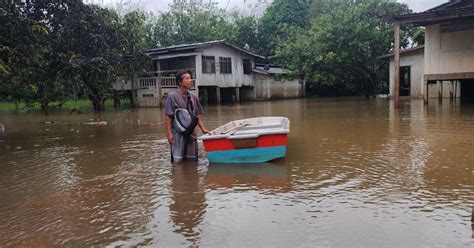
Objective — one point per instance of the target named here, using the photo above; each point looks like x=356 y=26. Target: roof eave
x=260 y=71
x=244 y=50
x=430 y=16
x=164 y=50
x=406 y=51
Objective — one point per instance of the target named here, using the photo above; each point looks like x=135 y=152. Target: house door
x=405 y=79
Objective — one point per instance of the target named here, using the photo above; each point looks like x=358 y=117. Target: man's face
x=187 y=82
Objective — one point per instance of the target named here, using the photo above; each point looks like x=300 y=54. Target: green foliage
x=52 y=51
x=323 y=7
x=338 y=51
x=81 y=104
x=245 y=32
x=280 y=22
x=33 y=66
x=136 y=36
x=186 y=22
x=418 y=35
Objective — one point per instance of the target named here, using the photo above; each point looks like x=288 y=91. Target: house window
x=208 y=64
x=247 y=66
x=225 y=65
x=148 y=95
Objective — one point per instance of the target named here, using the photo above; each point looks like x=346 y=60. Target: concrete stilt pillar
x=237 y=94
x=269 y=90
x=254 y=89
x=456 y=89
x=451 y=92
x=218 y=95
x=426 y=94
x=440 y=91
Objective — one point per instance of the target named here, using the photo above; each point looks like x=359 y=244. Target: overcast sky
x=161 y=5
x=422 y=5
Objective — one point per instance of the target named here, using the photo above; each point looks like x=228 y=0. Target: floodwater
x=357 y=174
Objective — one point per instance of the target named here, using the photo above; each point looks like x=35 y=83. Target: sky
x=162 y=5
x=422 y=5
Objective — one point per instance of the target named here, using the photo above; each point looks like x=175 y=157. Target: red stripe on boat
x=211 y=145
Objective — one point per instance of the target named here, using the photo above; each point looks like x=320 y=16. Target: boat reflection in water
x=272 y=175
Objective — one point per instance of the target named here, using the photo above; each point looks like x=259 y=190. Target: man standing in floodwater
x=183 y=111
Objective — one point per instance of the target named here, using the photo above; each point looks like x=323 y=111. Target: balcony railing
x=164 y=79
x=154 y=82
x=148 y=82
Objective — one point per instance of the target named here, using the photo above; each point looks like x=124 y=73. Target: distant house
x=411 y=71
x=221 y=72
x=273 y=82
x=448 y=60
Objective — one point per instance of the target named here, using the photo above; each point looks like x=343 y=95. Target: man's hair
x=180 y=77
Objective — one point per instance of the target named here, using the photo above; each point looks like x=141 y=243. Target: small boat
x=253 y=140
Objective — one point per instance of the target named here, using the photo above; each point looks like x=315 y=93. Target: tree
x=135 y=35
x=281 y=21
x=185 y=22
x=338 y=52
x=13 y=51
x=244 y=32
x=32 y=66
x=94 y=46
x=322 y=7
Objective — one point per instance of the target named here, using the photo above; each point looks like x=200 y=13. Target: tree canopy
x=337 y=53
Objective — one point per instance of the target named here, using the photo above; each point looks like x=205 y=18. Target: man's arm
x=169 y=120
x=201 y=126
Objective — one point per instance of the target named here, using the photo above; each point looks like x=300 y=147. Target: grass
x=12 y=106
x=82 y=104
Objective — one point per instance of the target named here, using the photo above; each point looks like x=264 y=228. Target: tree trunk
x=98 y=102
x=370 y=86
x=45 y=106
x=102 y=107
x=116 y=99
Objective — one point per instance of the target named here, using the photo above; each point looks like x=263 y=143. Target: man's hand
x=205 y=131
x=170 y=138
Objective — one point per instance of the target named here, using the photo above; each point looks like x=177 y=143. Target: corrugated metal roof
x=270 y=70
x=413 y=49
x=452 y=4
x=453 y=9
x=193 y=46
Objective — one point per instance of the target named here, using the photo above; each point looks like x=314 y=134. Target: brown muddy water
x=357 y=174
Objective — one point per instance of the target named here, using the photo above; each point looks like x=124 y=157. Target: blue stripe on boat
x=252 y=155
